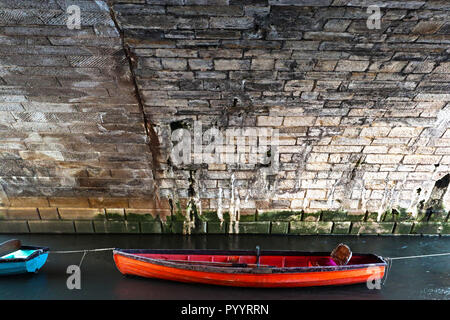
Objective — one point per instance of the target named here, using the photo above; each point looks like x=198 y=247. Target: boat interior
x=277 y=261
x=18 y=254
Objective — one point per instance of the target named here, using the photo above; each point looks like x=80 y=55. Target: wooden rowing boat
x=249 y=268
x=16 y=258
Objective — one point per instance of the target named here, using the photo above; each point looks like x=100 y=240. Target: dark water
x=426 y=278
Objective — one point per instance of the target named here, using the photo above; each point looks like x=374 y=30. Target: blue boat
x=18 y=259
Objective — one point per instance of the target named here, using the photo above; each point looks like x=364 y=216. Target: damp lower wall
x=356 y=103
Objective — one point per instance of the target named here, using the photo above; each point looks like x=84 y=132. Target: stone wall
x=362 y=116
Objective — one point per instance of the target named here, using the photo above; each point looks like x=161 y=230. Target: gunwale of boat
x=134 y=254
x=38 y=251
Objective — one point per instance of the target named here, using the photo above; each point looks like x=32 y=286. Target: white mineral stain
x=220 y=207
x=234 y=207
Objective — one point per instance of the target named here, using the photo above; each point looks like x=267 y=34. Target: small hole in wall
x=419 y=190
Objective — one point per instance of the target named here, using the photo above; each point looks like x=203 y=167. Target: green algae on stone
x=372 y=227
x=445 y=228
x=306 y=227
x=427 y=228
x=333 y=215
x=256 y=227
x=341 y=216
x=279 y=227
x=373 y=216
x=200 y=227
x=397 y=214
x=216 y=227
x=209 y=215
x=437 y=213
x=132 y=216
x=115 y=216
x=279 y=216
x=403 y=227
x=341 y=227
x=151 y=227
x=99 y=216
x=311 y=216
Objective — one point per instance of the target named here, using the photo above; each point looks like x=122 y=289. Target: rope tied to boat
x=389 y=260
x=82 y=251
x=421 y=256
x=86 y=250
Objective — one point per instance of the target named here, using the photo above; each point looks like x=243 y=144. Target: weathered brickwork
x=70 y=124
x=363 y=116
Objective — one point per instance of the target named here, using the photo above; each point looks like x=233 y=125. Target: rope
x=390 y=261
x=84 y=252
x=87 y=250
x=421 y=256
x=82 y=258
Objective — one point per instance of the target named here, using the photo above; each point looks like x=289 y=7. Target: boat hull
x=31 y=264
x=259 y=278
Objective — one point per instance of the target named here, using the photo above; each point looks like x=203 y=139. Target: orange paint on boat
x=262 y=277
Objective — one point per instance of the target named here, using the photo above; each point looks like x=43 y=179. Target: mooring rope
x=389 y=260
x=421 y=256
x=86 y=250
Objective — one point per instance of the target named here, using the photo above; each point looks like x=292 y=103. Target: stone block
x=350 y=65
x=260 y=227
x=445 y=228
x=304 y=227
x=19 y=214
x=279 y=227
x=81 y=214
x=67 y=202
x=83 y=226
x=116 y=226
x=341 y=227
x=267 y=215
x=13 y=226
x=427 y=228
x=141 y=214
x=231 y=64
x=51 y=226
x=372 y=227
x=217 y=227
x=29 y=202
x=403 y=227
x=48 y=213
x=232 y=22
x=151 y=227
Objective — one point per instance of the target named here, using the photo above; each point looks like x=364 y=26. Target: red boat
x=249 y=268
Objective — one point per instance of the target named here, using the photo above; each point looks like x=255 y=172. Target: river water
x=425 y=278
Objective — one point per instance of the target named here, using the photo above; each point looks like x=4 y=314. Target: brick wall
x=362 y=115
